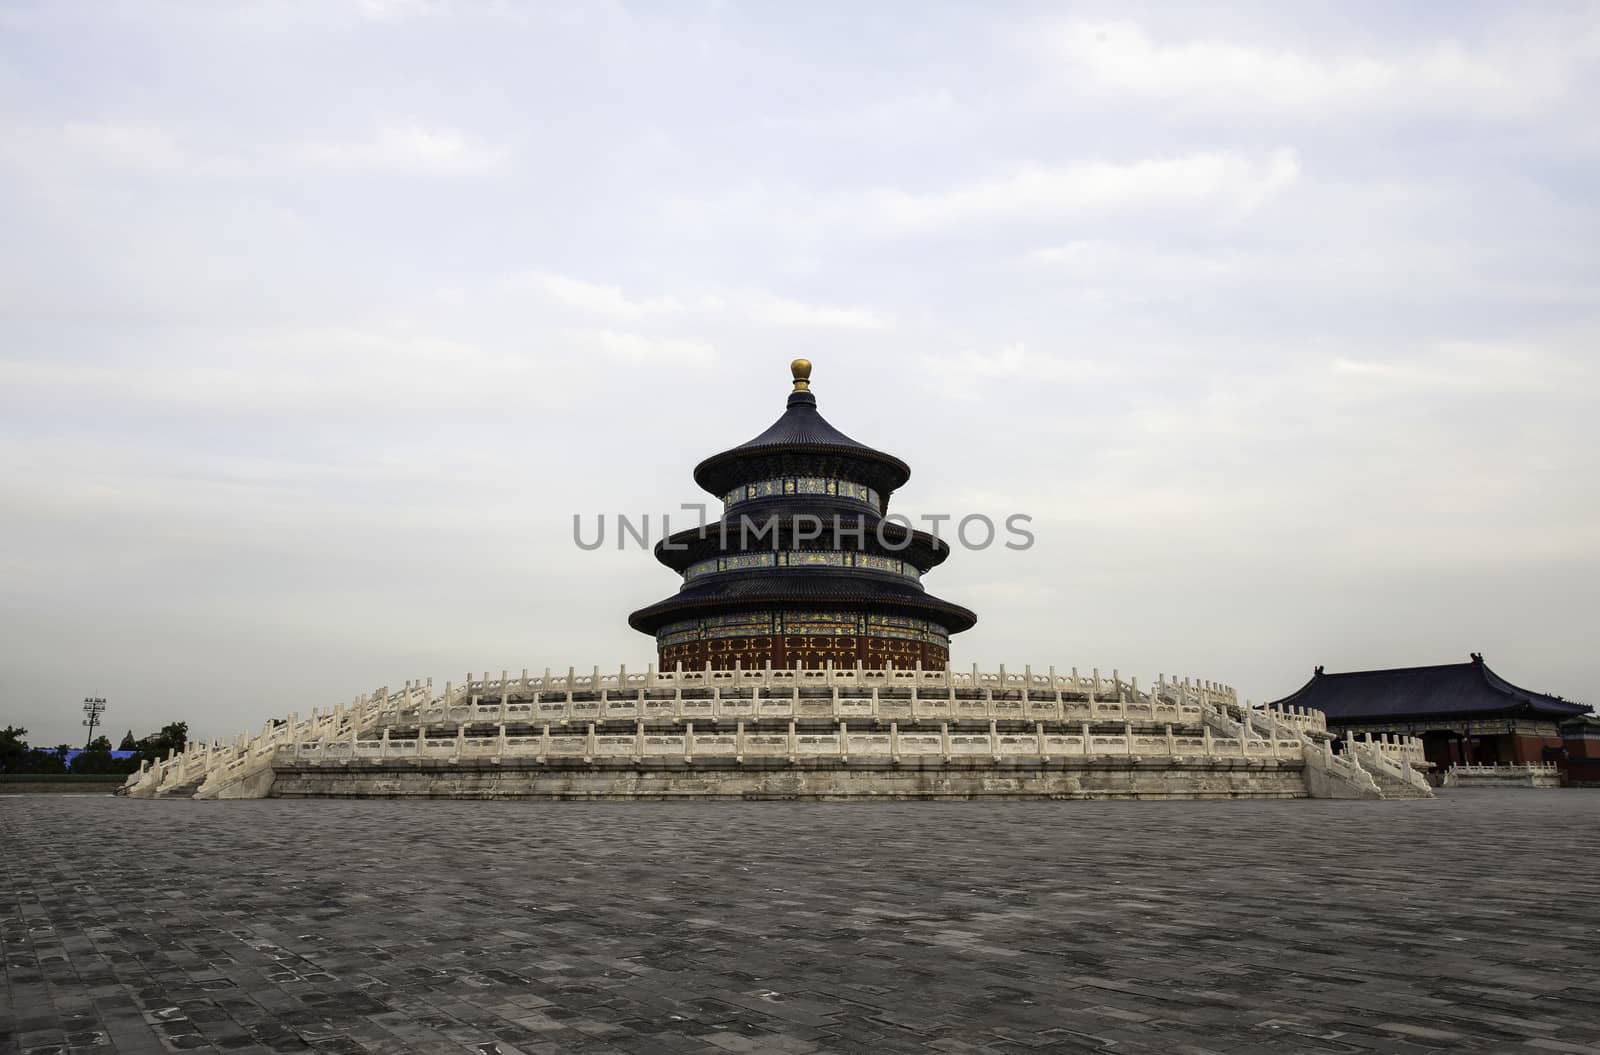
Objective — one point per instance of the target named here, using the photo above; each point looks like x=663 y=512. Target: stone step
x=185 y=790
x=1395 y=788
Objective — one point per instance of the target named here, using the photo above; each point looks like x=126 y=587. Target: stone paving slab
x=1467 y=923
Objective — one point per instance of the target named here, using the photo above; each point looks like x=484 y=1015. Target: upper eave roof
x=800 y=430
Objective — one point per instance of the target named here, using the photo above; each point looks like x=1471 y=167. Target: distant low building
x=114 y=754
x=1464 y=713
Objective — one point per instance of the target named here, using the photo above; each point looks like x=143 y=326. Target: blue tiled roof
x=1452 y=688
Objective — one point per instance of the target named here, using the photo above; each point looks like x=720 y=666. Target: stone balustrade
x=1503 y=774
x=1504 y=768
x=566 y=707
x=1304 y=718
x=840 y=744
x=1372 y=757
x=710 y=696
x=1025 y=682
x=1393 y=746
x=1397 y=759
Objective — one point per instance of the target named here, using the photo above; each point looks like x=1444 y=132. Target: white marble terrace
x=569 y=717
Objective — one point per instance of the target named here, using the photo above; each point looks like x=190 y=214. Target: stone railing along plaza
x=794 y=717
x=1503 y=774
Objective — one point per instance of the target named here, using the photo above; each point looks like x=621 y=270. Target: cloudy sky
x=320 y=321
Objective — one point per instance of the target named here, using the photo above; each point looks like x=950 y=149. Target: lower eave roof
x=801 y=588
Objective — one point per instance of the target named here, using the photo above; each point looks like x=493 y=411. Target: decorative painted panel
x=803 y=559
x=812 y=651
x=802 y=485
x=793 y=626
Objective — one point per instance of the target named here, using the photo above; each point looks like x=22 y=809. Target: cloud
x=1216 y=180
x=1465 y=367
x=1139 y=266
x=968 y=375
x=636 y=348
x=752 y=306
x=1304 y=251
x=336 y=371
x=1124 y=58
x=1425 y=455
x=78 y=150
x=145 y=146
x=1207 y=184
x=403 y=148
x=778 y=311
x=153 y=147
x=596 y=298
x=386 y=10
x=897 y=119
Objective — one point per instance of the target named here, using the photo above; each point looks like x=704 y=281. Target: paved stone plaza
x=1468 y=923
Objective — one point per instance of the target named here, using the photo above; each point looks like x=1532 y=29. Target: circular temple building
x=800 y=658
x=803 y=569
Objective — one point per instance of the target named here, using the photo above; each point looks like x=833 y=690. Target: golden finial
x=801 y=369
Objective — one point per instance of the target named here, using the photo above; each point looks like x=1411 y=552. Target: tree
x=176 y=734
x=44 y=760
x=13 y=749
x=96 y=758
x=172 y=737
x=128 y=742
x=17 y=757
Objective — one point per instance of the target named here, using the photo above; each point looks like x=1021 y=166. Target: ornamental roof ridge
x=1321 y=672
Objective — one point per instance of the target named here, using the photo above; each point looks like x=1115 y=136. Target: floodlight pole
x=92 y=706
